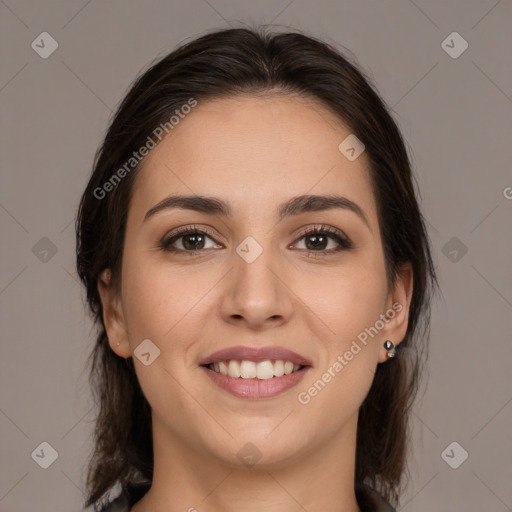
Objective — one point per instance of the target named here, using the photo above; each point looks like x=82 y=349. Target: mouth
x=247 y=372
x=262 y=370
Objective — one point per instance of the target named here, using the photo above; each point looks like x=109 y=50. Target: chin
x=259 y=452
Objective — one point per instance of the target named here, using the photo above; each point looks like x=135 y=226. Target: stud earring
x=118 y=343
x=391 y=350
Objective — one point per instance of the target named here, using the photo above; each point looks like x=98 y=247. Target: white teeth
x=234 y=369
x=265 y=370
x=279 y=368
x=247 y=370
x=250 y=370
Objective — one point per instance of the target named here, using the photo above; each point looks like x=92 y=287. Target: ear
x=397 y=309
x=113 y=317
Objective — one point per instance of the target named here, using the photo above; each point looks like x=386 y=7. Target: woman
x=255 y=258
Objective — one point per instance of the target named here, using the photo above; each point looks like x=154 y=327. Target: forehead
x=255 y=152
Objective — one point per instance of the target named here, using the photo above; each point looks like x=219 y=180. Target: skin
x=254 y=152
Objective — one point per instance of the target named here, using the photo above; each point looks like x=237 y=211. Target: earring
x=391 y=350
x=118 y=343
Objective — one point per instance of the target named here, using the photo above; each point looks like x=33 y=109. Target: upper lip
x=257 y=355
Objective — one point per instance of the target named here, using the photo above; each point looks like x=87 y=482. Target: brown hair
x=226 y=63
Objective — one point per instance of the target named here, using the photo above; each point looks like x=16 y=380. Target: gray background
x=456 y=117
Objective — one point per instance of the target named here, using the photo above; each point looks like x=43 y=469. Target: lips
x=255 y=373
x=257 y=355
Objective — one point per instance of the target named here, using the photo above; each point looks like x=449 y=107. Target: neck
x=186 y=479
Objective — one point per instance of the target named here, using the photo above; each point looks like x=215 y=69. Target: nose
x=257 y=294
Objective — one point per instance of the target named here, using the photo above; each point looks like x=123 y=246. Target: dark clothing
x=368 y=500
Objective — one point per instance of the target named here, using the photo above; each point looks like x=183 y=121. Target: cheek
x=162 y=306
x=344 y=302
x=169 y=307
x=154 y=297
x=348 y=355
x=353 y=301
x=345 y=305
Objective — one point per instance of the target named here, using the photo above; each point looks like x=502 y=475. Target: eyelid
x=184 y=230
x=324 y=228
x=334 y=233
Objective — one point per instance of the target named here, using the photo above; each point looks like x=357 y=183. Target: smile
x=251 y=380
x=255 y=372
x=262 y=370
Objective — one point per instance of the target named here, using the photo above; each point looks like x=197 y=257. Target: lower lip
x=256 y=388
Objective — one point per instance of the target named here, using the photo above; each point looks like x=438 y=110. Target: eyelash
x=332 y=233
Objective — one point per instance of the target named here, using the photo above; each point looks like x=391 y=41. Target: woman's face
x=256 y=281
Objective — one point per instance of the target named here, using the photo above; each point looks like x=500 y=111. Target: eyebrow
x=293 y=207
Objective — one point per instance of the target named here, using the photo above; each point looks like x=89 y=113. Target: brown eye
x=186 y=240
x=192 y=240
x=317 y=240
